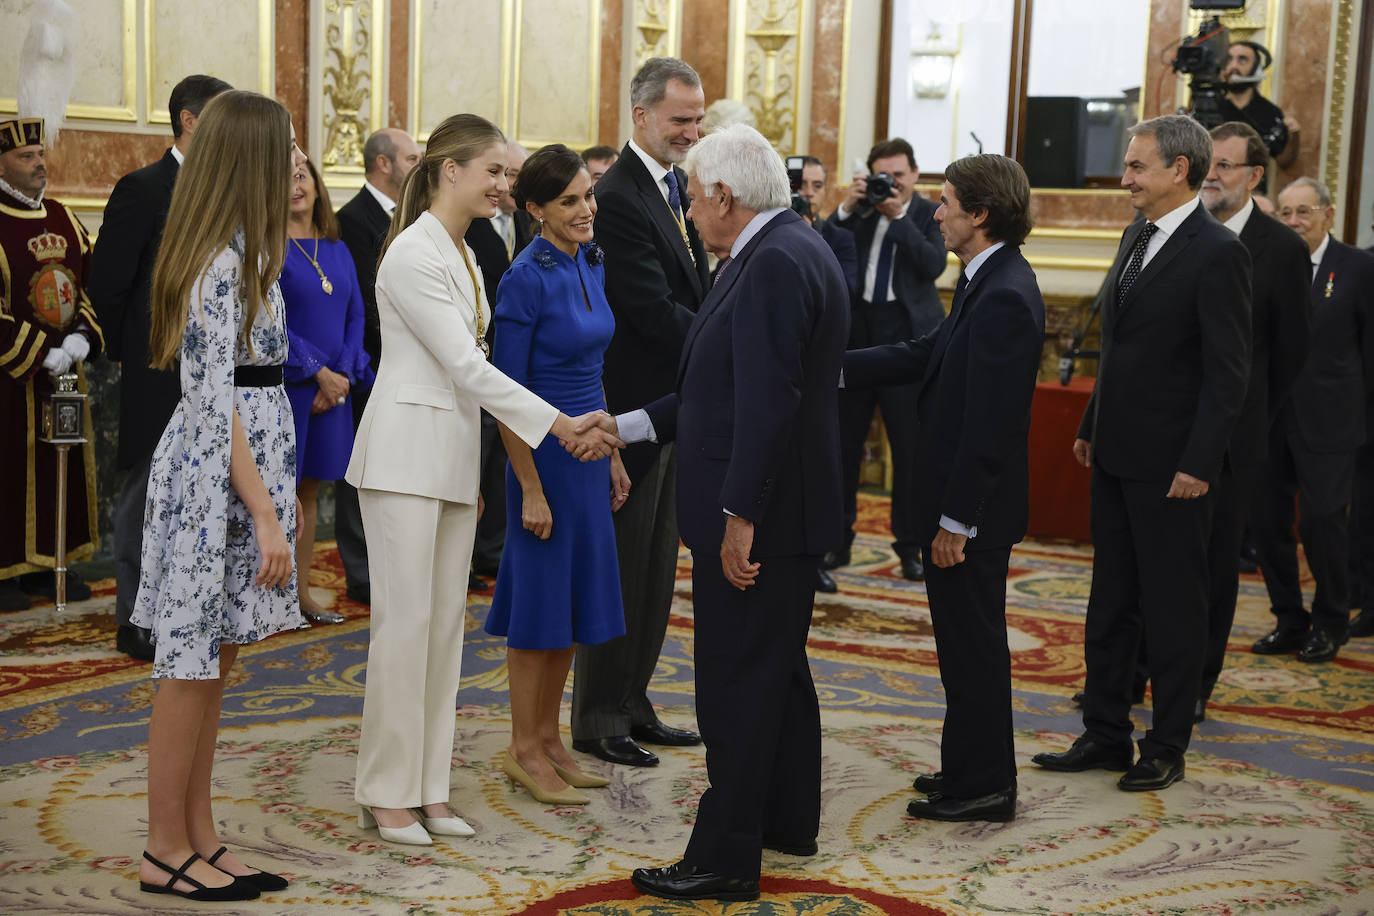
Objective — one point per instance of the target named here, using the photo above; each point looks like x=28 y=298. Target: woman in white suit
x=415 y=464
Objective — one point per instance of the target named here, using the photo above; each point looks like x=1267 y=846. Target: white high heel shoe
x=447 y=826
x=412 y=834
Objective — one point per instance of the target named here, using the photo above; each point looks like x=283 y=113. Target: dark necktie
x=958 y=301
x=674 y=198
x=720 y=270
x=1136 y=262
x=883 y=277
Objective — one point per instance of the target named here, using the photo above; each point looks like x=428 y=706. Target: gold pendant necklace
x=324 y=281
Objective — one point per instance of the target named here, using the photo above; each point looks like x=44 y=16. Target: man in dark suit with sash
x=121 y=276
x=388 y=156
x=656 y=276
x=975 y=375
x=1175 y=366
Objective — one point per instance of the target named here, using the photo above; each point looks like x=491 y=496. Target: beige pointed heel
x=580 y=780
x=516 y=772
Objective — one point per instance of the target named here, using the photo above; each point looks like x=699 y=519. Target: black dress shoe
x=1152 y=773
x=825 y=582
x=687 y=882
x=1248 y=562
x=912 y=570
x=1086 y=754
x=835 y=559
x=808 y=848
x=620 y=749
x=44 y=585
x=135 y=642
x=1280 y=642
x=360 y=592
x=1319 y=647
x=476 y=583
x=666 y=735
x=1363 y=624
x=929 y=782
x=996 y=806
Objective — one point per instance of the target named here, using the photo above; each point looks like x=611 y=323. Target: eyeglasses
x=1225 y=168
x=1303 y=213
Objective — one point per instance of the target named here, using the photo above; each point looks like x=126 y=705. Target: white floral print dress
x=200 y=554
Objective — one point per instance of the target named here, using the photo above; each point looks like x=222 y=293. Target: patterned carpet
x=1276 y=815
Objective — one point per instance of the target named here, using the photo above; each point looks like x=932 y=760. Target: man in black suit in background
x=1312 y=450
x=758 y=495
x=900 y=253
x=975 y=375
x=388 y=156
x=496 y=242
x=121 y=276
x=655 y=279
x=1174 y=370
x=1280 y=319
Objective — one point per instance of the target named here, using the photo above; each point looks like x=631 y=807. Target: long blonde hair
x=237 y=175
x=462 y=138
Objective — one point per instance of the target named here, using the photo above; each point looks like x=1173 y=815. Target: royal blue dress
x=323 y=329
x=552 y=325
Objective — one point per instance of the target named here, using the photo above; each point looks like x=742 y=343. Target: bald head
x=388 y=156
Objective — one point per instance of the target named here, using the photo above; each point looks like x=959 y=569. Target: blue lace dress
x=200 y=554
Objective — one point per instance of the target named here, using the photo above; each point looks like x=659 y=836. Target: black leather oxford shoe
x=996 y=806
x=1151 y=774
x=135 y=642
x=620 y=749
x=687 y=882
x=1279 y=642
x=912 y=570
x=929 y=782
x=1363 y=624
x=1086 y=754
x=1319 y=646
x=666 y=735
x=825 y=582
x=835 y=559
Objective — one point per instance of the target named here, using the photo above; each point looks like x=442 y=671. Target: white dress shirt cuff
x=954 y=527
x=635 y=426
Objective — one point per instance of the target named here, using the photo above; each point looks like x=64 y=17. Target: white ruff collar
x=33 y=203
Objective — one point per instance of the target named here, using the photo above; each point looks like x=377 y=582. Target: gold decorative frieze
x=1340 y=66
x=767 y=69
x=657 y=29
x=350 y=81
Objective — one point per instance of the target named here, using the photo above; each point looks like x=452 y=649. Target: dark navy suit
x=976 y=375
x=757 y=434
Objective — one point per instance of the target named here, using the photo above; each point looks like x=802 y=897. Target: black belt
x=257 y=376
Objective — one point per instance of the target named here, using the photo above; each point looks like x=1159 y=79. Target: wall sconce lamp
x=932 y=65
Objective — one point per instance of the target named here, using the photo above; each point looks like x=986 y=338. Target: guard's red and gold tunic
x=45 y=256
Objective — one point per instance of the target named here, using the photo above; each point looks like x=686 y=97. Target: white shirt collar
x=176 y=154
x=1320 y=252
x=1169 y=222
x=387 y=203
x=656 y=171
x=981 y=258
x=1242 y=216
x=752 y=228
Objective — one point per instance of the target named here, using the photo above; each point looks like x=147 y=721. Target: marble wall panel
x=615 y=90
x=225 y=40
x=706 y=45
x=291 y=35
x=557 y=72
x=103 y=45
x=456 y=50
x=828 y=60
x=398 y=65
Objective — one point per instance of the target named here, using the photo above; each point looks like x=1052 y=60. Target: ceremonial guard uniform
x=45 y=256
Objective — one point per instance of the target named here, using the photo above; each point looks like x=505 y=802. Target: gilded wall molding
x=125 y=111
x=768 y=69
x=348 y=82
x=657 y=30
x=1340 y=64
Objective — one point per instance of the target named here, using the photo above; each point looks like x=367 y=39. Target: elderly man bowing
x=758 y=492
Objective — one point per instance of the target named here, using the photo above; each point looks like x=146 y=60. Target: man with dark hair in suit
x=1312 y=450
x=900 y=253
x=753 y=406
x=599 y=159
x=1280 y=319
x=975 y=375
x=655 y=279
x=496 y=242
x=121 y=276
x=388 y=156
x=1175 y=365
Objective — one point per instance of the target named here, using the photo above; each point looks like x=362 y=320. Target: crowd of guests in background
x=464 y=346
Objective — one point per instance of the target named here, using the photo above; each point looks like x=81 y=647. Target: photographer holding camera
x=900 y=253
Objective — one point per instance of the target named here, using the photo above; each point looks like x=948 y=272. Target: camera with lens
x=1202 y=57
x=800 y=204
x=878 y=188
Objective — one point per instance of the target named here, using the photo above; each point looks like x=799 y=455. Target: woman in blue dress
x=559 y=583
x=326 y=359
x=221 y=511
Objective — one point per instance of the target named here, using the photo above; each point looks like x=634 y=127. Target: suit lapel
x=657 y=207
x=959 y=309
x=1325 y=268
x=458 y=279
x=1176 y=242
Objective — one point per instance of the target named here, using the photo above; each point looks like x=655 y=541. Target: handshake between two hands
x=589 y=437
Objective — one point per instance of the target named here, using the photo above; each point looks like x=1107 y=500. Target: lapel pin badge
x=1330 y=284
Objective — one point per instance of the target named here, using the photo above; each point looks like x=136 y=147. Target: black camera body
x=800 y=205
x=878 y=188
x=1203 y=57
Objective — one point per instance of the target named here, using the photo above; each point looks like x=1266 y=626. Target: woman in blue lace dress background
x=221 y=511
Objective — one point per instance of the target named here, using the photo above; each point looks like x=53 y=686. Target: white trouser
x=418 y=553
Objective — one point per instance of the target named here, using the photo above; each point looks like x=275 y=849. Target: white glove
x=58 y=361
x=76 y=346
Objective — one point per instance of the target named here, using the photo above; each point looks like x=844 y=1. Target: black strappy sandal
x=262 y=880
x=238 y=890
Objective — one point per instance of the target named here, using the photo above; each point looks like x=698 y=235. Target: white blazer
x=421 y=431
